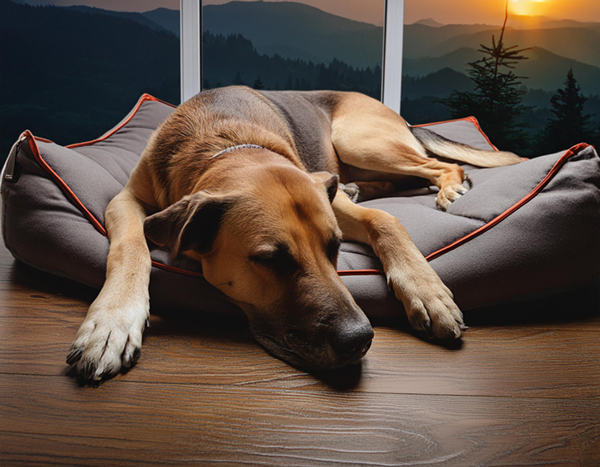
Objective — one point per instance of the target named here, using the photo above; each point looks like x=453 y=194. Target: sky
x=371 y=11
x=492 y=11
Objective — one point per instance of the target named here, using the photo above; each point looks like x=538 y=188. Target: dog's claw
x=74 y=356
x=98 y=374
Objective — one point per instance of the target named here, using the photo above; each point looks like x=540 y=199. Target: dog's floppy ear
x=331 y=182
x=191 y=223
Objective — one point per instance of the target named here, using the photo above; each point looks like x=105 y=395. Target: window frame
x=190 y=17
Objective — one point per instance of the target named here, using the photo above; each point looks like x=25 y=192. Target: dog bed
x=520 y=232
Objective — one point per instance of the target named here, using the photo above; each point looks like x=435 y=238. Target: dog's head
x=271 y=246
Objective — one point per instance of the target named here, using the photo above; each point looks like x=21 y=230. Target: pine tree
x=289 y=83
x=258 y=84
x=496 y=101
x=571 y=125
x=238 y=81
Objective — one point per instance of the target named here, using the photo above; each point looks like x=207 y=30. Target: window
x=556 y=37
x=71 y=72
x=300 y=45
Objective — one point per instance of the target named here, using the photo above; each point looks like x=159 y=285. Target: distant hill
x=234 y=60
x=421 y=40
x=289 y=29
x=295 y=30
x=456 y=60
x=542 y=22
x=577 y=43
x=544 y=69
x=140 y=18
x=70 y=76
x=429 y=22
x=168 y=19
x=549 y=71
x=440 y=84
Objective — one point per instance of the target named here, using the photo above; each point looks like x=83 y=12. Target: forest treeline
x=233 y=59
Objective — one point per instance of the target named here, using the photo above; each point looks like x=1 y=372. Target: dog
x=257 y=187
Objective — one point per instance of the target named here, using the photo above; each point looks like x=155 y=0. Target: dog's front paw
x=429 y=305
x=107 y=340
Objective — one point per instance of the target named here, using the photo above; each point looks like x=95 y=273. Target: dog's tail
x=447 y=149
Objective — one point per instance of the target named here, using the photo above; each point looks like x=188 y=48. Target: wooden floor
x=523 y=389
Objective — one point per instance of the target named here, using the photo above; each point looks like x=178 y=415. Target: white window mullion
x=392 y=53
x=190 y=21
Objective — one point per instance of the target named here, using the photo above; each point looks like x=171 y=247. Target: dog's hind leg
x=111 y=334
x=428 y=302
x=370 y=136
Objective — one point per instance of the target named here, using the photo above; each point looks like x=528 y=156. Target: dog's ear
x=189 y=224
x=331 y=182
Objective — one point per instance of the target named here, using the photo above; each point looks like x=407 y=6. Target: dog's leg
x=368 y=135
x=111 y=334
x=428 y=302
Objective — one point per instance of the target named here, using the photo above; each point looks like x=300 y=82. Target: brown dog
x=247 y=184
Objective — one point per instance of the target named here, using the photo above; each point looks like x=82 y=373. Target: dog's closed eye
x=278 y=259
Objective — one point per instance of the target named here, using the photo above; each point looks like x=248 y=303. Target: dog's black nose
x=352 y=340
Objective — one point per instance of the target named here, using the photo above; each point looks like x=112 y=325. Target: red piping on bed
x=357 y=272
x=61 y=183
x=144 y=98
x=571 y=152
x=473 y=120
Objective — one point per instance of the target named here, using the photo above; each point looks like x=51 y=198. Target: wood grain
x=185 y=422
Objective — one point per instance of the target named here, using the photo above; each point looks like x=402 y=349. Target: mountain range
x=581 y=44
x=543 y=69
x=298 y=31
x=295 y=30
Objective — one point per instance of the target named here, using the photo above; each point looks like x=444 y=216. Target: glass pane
x=306 y=45
x=532 y=112
x=70 y=73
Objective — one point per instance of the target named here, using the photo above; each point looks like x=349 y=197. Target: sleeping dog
x=255 y=186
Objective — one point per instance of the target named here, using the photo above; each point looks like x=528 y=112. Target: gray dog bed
x=520 y=232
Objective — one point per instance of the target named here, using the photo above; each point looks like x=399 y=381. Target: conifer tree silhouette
x=496 y=101
x=258 y=84
x=238 y=81
x=571 y=126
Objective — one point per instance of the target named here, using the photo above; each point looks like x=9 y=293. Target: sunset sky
x=371 y=11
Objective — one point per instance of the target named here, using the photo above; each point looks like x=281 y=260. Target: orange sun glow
x=527 y=7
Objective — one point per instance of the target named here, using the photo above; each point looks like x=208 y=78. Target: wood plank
x=131 y=422
x=526 y=361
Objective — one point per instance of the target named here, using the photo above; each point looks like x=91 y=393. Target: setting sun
x=528 y=7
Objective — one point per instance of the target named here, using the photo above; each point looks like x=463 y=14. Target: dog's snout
x=352 y=341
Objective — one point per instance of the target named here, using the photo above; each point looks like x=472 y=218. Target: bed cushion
x=521 y=231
